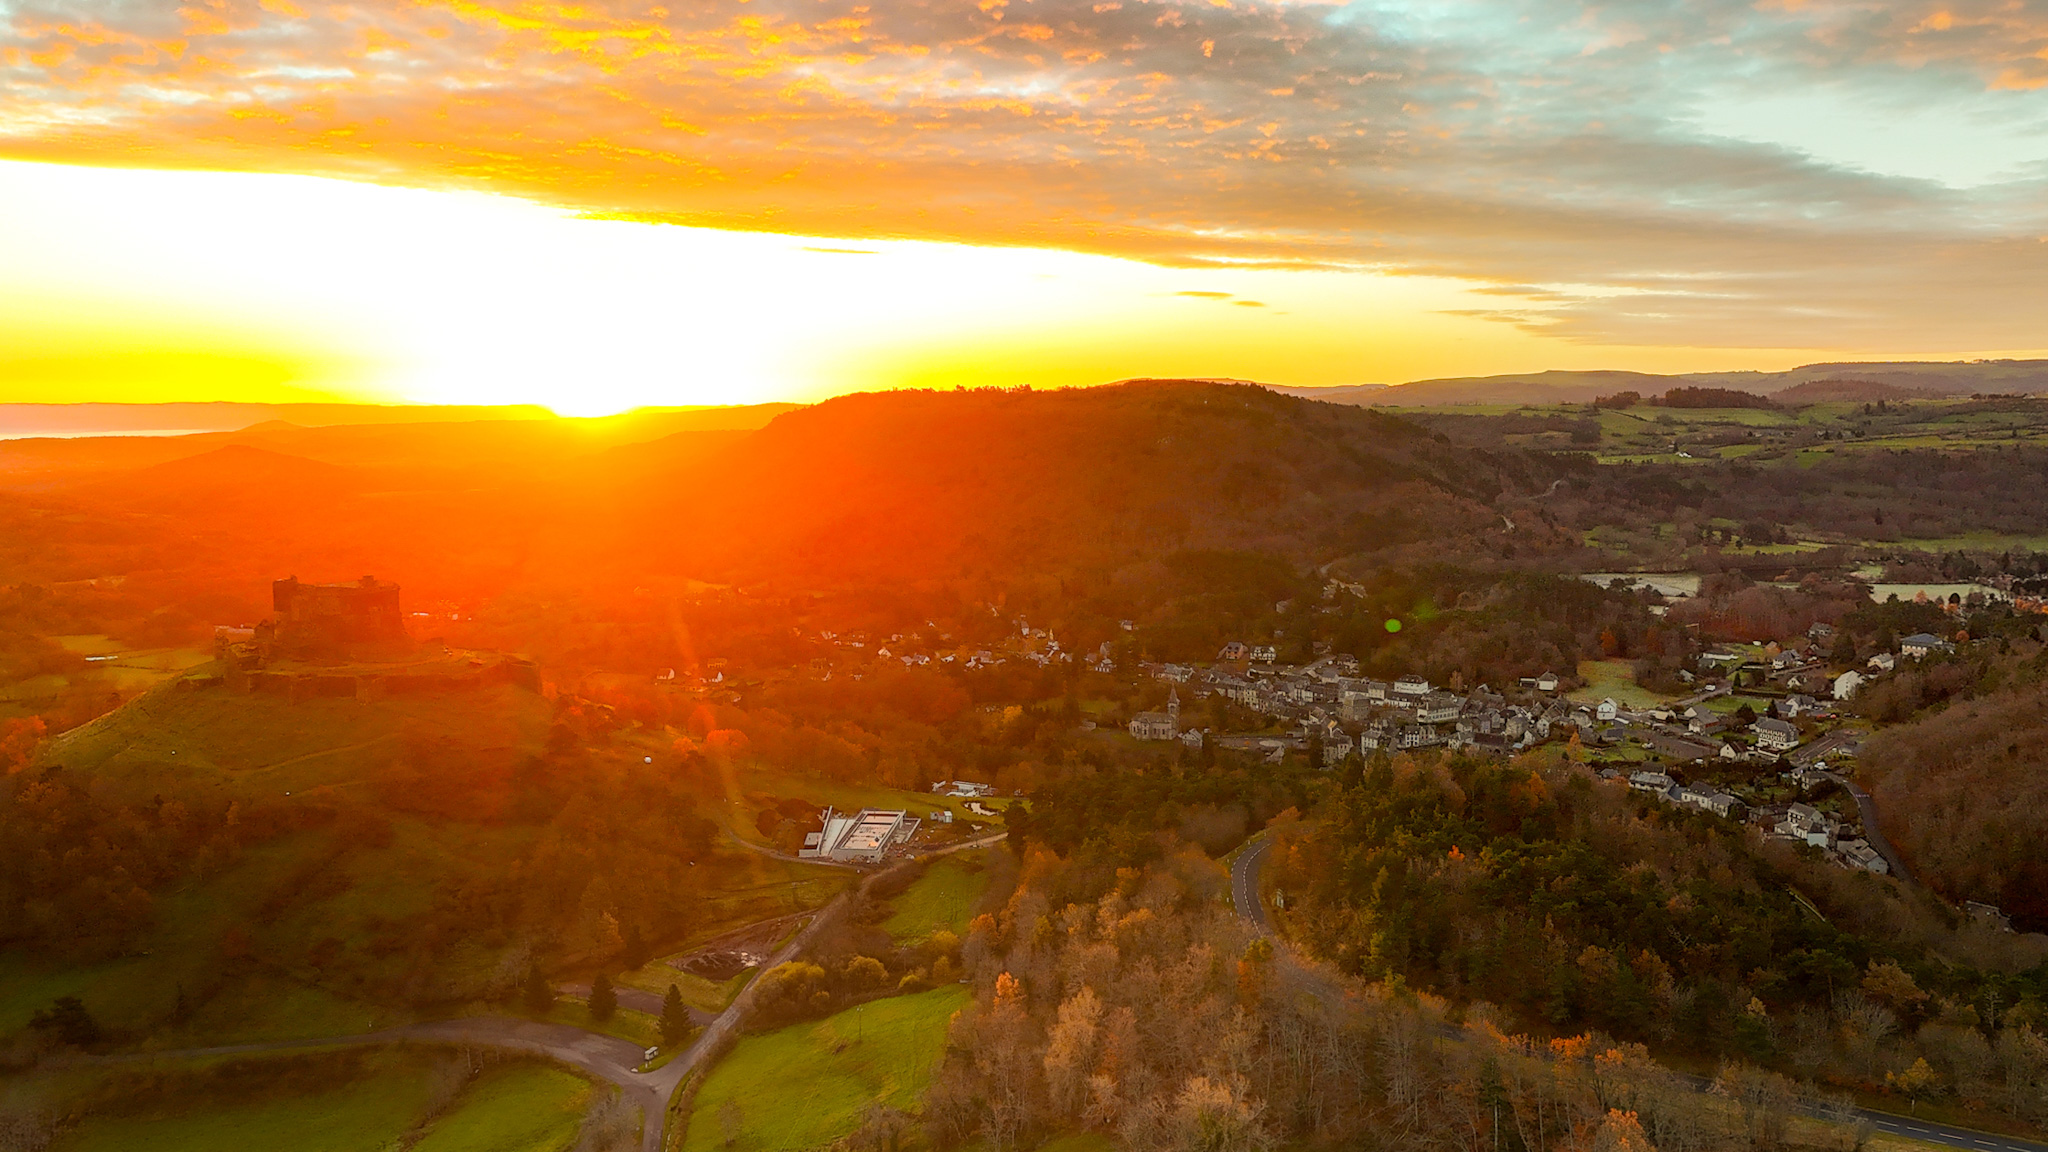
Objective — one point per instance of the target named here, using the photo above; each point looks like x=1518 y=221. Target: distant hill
x=236 y=475
x=18 y=421
x=1844 y=391
x=1926 y=378
x=1553 y=387
x=925 y=485
x=989 y=487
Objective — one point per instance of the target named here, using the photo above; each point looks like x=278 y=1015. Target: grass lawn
x=367 y=1114
x=1614 y=678
x=704 y=995
x=807 y=1085
x=853 y=797
x=943 y=897
x=527 y=1107
x=626 y=1024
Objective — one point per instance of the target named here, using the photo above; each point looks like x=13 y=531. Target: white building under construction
x=861 y=838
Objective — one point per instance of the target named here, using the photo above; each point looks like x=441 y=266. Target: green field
x=944 y=897
x=363 y=1114
x=379 y=1102
x=882 y=1052
x=522 y=1107
x=1615 y=678
x=704 y=995
x=852 y=797
x=210 y=747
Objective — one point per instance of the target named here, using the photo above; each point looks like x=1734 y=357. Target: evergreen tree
x=603 y=1000
x=636 y=953
x=68 y=1021
x=538 y=993
x=675 y=1017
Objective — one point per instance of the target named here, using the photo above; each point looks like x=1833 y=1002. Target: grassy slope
x=261 y=745
x=214 y=746
x=853 y=797
x=523 y=1107
x=942 y=898
x=699 y=993
x=1614 y=678
x=806 y=1085
x=221 y=746
x=362 y=1115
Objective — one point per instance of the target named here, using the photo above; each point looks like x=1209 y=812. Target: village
x=1754 y=742
x=1759 y=738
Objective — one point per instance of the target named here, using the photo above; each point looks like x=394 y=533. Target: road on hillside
x=1244 y=885
x=1873 y=832
x=607 y=1058
x=1244 y=894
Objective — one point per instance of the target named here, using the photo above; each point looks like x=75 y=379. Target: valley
x=1254 y=771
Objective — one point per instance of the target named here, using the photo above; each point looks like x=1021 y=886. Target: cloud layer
x=1556 y=152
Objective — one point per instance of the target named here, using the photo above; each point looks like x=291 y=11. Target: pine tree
x=675 y=1017
x=636 y=954
x=68 y=1021
x=539 y=994
x=603 y=1000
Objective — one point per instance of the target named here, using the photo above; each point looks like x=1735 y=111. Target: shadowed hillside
x=979 y=485
x=918 y=484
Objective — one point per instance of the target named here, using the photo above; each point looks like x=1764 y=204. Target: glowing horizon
x=128 y=284
x=623 y=201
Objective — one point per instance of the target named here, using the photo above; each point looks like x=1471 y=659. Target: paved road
x=1244 y=885
x=1874 y=831
x=604 y=1057
x=637 y=999
x=1244 y=894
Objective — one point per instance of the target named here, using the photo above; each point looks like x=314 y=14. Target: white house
x=1438 y=708
x=1847 y=683
x=1922 y=643
x=1775 y=735
x=1411 y=685
x=1607 y=710
x=1153 y=726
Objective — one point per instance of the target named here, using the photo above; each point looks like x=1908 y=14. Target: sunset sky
x=606 y=204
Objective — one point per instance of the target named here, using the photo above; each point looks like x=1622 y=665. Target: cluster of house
x=1329 y=703
x=1796 y=823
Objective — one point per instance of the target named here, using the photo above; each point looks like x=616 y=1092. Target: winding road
x=606 y=1058
x=1244 y=895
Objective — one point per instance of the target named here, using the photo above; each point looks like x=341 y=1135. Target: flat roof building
x=861 y=838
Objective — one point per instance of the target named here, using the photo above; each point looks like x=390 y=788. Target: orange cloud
x=1189 y=133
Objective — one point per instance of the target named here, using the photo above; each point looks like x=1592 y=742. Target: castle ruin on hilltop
x=347 y=640
x=334 y=619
